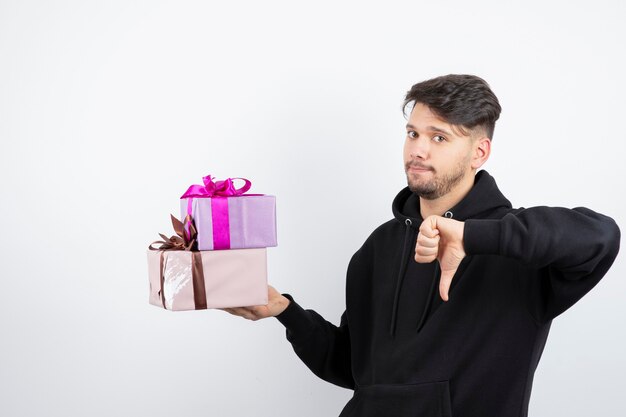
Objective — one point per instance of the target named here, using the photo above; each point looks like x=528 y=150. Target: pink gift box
x=231 y=278
x=235 y=222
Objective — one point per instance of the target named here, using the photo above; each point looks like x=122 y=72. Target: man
x=471 y=348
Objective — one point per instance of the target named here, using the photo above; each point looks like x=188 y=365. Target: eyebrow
x=432 y=129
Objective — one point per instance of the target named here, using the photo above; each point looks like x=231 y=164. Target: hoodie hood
x=484 y=198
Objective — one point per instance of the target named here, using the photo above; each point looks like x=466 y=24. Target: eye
x=439 y=138
x=410 y=133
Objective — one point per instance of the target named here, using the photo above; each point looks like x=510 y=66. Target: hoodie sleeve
x=323 y=347
x=571 y=249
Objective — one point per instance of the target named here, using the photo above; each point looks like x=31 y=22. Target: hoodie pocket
x=430 y=399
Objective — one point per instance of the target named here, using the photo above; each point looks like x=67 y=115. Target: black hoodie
x=407 y=353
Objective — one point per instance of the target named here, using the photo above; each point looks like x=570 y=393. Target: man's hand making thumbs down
x=442 y=239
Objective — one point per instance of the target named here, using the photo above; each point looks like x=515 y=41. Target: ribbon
x=218 y=192
x=180 y=241
x=223 y=188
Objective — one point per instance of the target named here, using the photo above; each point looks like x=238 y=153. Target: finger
x=429 y=227
x=424 y=259
x=248 y=313
x=425 y=255
x=425 y=251
x=242 y=312
x=426 y=248
x=429 y=242
x=257 y=311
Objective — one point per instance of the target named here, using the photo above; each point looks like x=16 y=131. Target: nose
x=419 y=148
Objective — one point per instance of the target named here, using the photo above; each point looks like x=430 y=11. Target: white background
x=109 y=110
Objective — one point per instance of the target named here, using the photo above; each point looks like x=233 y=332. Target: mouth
x=414 y=168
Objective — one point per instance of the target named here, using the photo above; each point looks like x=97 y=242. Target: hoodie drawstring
x=430 y=297
x=403 y=262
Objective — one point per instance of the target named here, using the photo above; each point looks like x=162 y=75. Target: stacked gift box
x=218 y=256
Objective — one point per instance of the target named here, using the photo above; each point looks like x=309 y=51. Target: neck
x=438 y=206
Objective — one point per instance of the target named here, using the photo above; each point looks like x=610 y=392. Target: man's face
x=436 y=159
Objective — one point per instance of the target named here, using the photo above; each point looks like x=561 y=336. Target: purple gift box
x=226 y=218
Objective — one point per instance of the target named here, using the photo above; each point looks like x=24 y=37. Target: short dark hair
x=464 y=101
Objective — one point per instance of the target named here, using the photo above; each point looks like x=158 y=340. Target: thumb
x=444 y=283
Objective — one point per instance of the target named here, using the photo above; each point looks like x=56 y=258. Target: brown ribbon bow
x=179 y=241
x=183 y=241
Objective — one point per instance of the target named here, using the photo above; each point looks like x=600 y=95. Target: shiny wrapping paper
x=234 y=222
x=230 y=278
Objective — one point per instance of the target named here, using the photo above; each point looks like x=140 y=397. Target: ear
x=481 y=151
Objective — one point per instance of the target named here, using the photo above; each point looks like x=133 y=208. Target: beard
x=439 y=185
